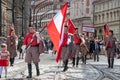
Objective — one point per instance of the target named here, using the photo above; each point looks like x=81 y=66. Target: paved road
x=49 y=70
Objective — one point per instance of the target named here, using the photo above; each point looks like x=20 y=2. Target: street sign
x=89 y=29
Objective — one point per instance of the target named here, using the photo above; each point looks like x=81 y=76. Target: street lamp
x=37 y=7
x=13 y=14
x=23 y=1
x=43 y=16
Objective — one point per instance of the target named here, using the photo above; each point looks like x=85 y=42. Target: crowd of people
x=74 y=47
x=80 y=46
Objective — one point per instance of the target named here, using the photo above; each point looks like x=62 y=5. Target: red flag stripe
x=106 y=30
x=54 y=34
x=71 y=27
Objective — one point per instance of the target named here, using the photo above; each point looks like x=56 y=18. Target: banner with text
x=88 y=29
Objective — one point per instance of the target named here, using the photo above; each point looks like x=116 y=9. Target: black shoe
x=29 y=77
x=0 y=76
x=11 y=65
x=108 y=66
x=65 y=69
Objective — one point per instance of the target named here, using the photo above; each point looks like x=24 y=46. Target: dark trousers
x=12 y=61
x=96 y=55
x=110 y=56
x=84 y=59
x=65 y=65
x=30 y=70
x=76 y=60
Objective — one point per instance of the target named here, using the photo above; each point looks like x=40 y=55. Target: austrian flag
x=55 y=29
x=106 y=30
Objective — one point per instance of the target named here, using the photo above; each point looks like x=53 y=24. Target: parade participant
x=4 y=59
x=12 y=42
x=110 y=47
x=77 y=42
x=96 y=50
x=20 y=43
x=83 y=49
x=91 y=49
x=32 y=51
x=65 y=49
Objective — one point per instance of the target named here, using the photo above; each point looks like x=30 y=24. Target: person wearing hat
x=12 y=41
x=77 y=42
x=31 y=44
x=110 y=47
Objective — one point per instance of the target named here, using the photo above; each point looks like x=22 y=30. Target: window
x=88 y=3
x=107 y=15
x=103 y=17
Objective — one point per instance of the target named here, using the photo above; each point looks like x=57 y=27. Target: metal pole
x=0 y=17
x=36 y=8
x=30 y=16
x=42 y=16
x=13 y=20
x=22 y=17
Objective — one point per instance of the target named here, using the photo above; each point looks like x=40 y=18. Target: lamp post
x=13 y=14
x=0 y=17
x=22 y=16
x=36 y=8
x=43 y=16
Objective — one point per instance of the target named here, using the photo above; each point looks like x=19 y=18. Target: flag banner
x=55 y=29
x=106 y=30
x=10 y=30
x=71 y=29
x=89 y=29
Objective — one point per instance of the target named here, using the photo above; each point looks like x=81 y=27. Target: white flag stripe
x=58 y=19
x=61 y=40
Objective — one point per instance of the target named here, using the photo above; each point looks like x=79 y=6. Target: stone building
x=12 y=8
x=107 y=11
x=43 y=12
x=81 y=13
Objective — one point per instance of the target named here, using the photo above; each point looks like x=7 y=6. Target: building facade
x=12 y=15
x=107 y=11
x=81 y=13
x=43 y=12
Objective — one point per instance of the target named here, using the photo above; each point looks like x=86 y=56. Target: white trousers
x=1 y=69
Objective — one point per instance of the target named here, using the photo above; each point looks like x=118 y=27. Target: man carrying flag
x=55 y=29
x=110 y=45
x=65 y=49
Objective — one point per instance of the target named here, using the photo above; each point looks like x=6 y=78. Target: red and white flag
x=71 y=29
x=106 y=30
x=55 y=29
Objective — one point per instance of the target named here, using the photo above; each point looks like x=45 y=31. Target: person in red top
x=110 y=44
x=32 y=55
x=77 y=41
x=4 y=59
x=65 y=49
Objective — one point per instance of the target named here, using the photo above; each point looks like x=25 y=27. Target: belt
x=64 y=46
x=77 y=44
x=34 y=45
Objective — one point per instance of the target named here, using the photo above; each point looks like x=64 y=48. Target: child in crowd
x=4 y=59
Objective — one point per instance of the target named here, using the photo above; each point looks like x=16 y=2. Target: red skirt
x=4 y=63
